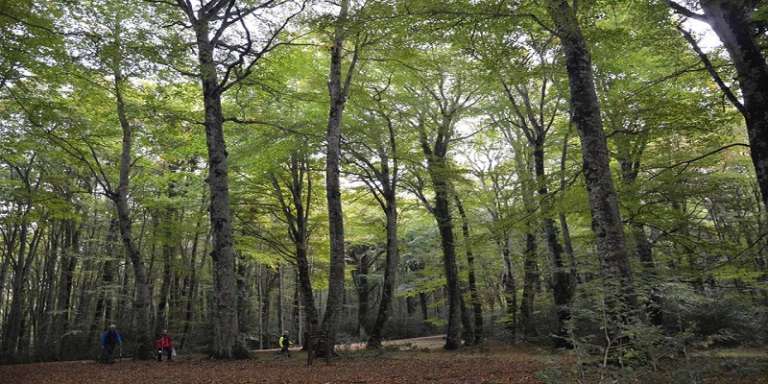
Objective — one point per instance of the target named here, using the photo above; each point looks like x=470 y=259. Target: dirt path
x=428 y=342
x=500 y=365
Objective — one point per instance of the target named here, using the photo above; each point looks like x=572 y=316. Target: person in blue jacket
x=110 y=339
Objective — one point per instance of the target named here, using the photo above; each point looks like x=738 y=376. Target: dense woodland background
x=574 y=173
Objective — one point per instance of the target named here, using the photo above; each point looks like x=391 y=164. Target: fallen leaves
x=403 y=367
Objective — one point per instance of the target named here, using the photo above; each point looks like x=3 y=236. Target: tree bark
x=143 y=293
x=442 y=213
x=510 y=289
x=606 y=219
x=226 y=343
x=731 y=21
x=338 y=90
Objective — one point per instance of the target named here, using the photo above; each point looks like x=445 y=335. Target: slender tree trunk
x=477 y=307
x=423 y=300
x=169 y=242
x=510 y=289
x=360 y=274
x=606 y=219
x=280 y=301
x=530 y=277
x=143 y=294
x=467 y=328
x=296 y=316
x=561 y=278
x=243 y=294
x=390 y=273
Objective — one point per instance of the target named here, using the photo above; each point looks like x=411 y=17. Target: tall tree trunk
x=226 y=343
x=143 y=294
x=169 y=243
x=606 y=219
x=338 y=89
x=477 y=307
x=442 y=213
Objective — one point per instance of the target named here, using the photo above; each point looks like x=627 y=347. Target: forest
x=585 y=176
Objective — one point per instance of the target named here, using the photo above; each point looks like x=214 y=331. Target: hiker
x=164 y=345
x=110 y=339
x=284 y=343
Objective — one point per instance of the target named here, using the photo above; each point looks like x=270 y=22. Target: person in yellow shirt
x=284 y=343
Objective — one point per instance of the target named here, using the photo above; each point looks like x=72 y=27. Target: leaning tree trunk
x=606 y=219
x=226 y=343
x=731 y=21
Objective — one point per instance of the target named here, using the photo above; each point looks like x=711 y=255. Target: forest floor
x=403 y=361
x=407 y=361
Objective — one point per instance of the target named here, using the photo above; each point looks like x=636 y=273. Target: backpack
x=112 y=337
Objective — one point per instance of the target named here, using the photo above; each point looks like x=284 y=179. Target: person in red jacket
x=164 y=345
